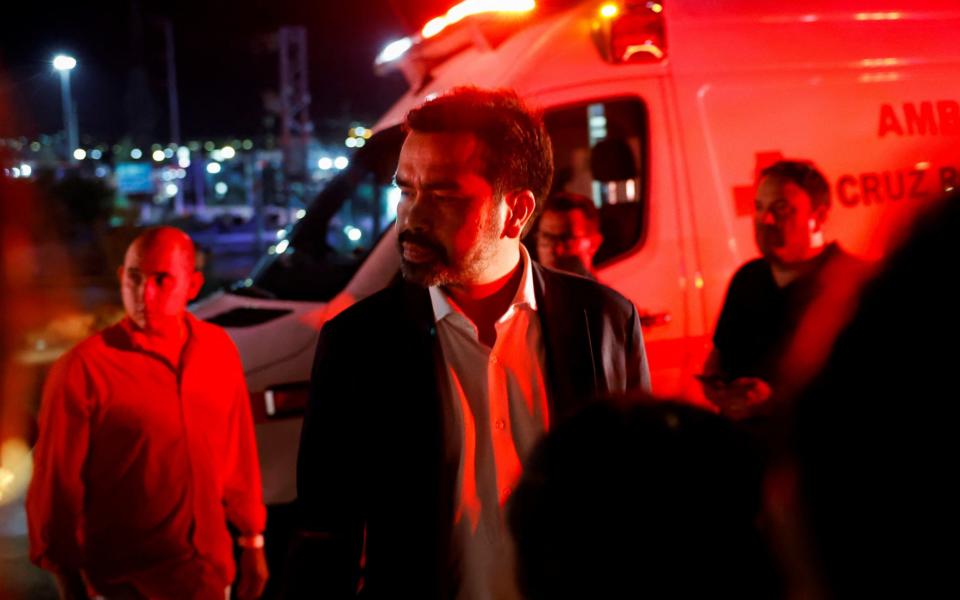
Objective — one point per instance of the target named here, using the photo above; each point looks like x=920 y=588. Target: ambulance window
x=611 y=136
x=342 y=225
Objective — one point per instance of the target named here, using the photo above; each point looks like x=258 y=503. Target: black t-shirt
x=759 y=318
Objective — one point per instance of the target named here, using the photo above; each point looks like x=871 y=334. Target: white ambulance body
x=698 y=95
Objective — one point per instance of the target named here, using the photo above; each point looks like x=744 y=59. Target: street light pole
x=174 y=103
x=64 y=64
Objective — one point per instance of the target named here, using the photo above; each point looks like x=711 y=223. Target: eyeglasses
x=779 y=211
x=567 y=240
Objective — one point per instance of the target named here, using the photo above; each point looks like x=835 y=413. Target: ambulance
x=663 y=112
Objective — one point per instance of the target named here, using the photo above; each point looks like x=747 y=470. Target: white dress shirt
x=496 y=410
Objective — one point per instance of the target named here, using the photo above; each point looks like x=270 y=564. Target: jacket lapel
x=570 y=352
x=427 y=378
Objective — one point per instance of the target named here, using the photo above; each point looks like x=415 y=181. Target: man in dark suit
x=428 y=395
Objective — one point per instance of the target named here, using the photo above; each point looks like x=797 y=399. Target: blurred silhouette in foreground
x=865 y=502
x=651 y=500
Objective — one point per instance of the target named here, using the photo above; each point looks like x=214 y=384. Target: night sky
x=224 y=60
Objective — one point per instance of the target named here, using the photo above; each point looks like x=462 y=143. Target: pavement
x=19 y=578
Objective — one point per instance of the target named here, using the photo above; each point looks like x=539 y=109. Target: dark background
x=225 y=57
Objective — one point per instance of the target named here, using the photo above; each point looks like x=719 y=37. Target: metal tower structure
x=295 y=125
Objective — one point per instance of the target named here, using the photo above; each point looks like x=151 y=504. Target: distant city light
x=350 y=142
x=136 y=153
x=15 y=172
x=183 y=157
x=171 y=189
x=79 y=154
x=158 y=155
x=213 y=168
x=101 y=171
x=300 y=214
x=281 y=233
x=361 y=142
x=282 y=246
x=609 y=10
x=180 y=173
x=221 y=188
x=168 y=152
x=227 y=152
x=96 y=154
x=354 y=234
x=62 y=62
x=35 y=146
x=394 y=50
x=217 y=155
x=393 y=199
x=325 y=163
x=341 y=162
x=247 y=145
x=361 y=131
x=209 y=146
x=25 y=170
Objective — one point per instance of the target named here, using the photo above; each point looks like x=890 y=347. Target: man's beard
x=445 y=270
x=770 y=240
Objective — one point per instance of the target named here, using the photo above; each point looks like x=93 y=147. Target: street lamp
x=64 y=64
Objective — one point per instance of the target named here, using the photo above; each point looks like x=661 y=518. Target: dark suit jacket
x=371 y=466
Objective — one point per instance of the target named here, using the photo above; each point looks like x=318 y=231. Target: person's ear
x=521 y=205
x=596 y=240
x=817 y=218
x=196 y=282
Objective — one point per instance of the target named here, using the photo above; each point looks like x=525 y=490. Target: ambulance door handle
x=649 y=319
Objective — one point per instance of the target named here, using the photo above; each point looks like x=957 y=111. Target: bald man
x=146 y=448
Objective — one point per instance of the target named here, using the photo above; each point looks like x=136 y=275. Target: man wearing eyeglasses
x=568 y=235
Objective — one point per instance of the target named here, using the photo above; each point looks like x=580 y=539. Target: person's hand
x=253 y=574
x=742 y=398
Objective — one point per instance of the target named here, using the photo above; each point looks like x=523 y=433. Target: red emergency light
x=630 y=32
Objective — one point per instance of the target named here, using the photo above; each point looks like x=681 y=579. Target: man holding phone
x=768 y=296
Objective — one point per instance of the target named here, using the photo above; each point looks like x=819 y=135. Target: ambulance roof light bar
x=433 y=27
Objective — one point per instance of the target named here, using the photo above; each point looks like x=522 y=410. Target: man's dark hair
x=517 y=150
x=656 y=499
x=804 y=175
x=569 y=201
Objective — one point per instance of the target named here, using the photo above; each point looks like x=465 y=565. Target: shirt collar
x=140 y=341
x=443 y=306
